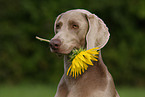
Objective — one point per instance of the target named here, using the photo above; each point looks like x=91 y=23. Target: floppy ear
x=98 y=34
x=58 y=17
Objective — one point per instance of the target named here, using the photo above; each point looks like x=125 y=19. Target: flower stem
x=41 y=39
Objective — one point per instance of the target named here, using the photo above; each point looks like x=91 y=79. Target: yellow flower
x=81 y=59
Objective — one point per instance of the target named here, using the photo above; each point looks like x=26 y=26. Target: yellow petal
x=84 y=58
x=68 y=70
x=88 y=58
x=79 y=66
x=93 y=58
x=96 y=57
x=92 y=52
x=76 y=61
x=82 y=66
x=86 y=66
x=75 y=72
x=71 y=72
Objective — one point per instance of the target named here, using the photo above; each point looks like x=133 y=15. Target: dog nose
x=55 y=44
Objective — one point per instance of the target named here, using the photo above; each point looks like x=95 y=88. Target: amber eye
x=75 y=26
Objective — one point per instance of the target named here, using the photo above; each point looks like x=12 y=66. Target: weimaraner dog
x=75 y=29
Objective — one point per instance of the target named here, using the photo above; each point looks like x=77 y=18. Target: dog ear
x=58 y=17
x=98 y=34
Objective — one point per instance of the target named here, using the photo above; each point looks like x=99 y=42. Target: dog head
x=78 y=28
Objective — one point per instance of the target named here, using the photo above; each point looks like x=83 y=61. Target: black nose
x=55 y=44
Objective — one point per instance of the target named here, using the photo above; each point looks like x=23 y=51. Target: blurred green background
x=29 y=69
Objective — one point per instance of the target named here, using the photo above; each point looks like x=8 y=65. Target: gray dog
x=76 y=29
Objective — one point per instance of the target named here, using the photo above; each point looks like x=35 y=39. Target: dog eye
x=57 y=26
x=75 y=26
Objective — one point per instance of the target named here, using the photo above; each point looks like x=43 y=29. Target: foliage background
x=25 y=59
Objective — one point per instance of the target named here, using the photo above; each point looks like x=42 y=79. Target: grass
x=131 y=92
x=27 y=90
x=39 y=90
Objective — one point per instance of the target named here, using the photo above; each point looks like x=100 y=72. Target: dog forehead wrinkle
x=72 y=22
x=75 y=14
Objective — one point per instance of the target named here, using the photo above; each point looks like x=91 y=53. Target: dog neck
x=67 y=63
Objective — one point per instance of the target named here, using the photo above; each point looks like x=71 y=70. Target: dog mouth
x=60 y=51
x=63 y=48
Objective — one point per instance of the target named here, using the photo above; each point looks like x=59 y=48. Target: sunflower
x=80 y=59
